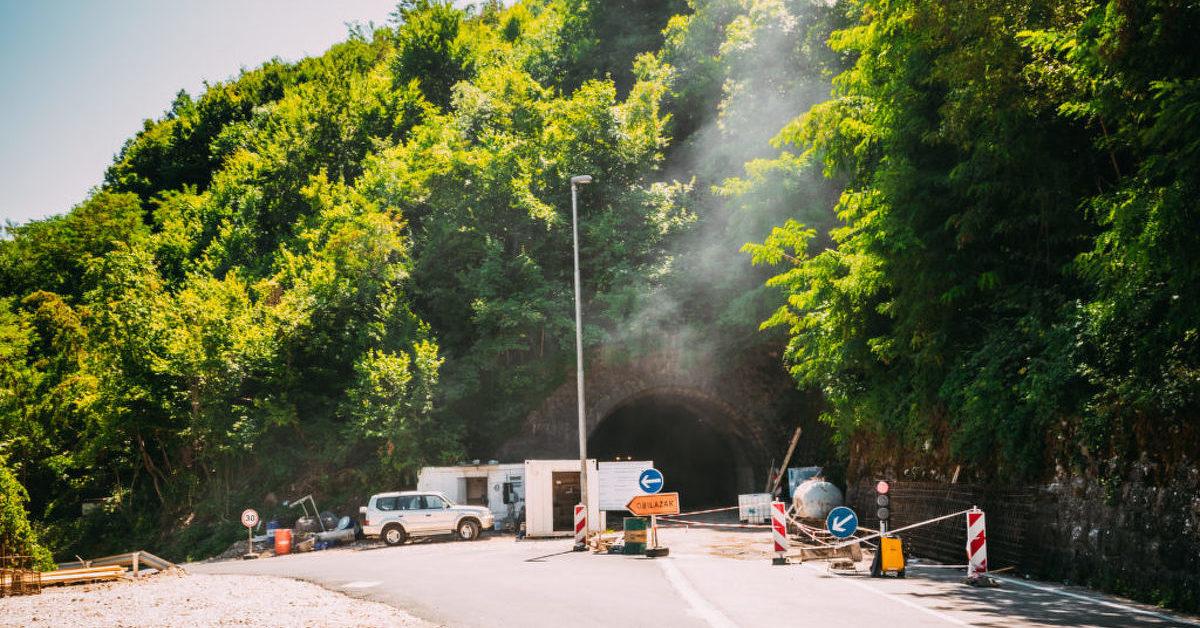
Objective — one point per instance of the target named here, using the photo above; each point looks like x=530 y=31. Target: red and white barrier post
x=779 y=533
x=580 y=527
x=976 y=544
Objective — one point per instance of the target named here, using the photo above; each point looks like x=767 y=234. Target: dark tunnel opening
x=698 y=455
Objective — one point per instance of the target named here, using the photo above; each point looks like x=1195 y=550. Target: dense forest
x=967 y=222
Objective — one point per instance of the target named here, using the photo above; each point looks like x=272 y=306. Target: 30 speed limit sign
x=249 y=517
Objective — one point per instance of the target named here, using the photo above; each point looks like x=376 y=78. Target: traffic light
x=883 y=501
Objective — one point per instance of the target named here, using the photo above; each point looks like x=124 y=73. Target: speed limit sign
x=249 y=517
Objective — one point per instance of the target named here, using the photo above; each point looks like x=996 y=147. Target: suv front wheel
x=468 y=530
x=394 y=535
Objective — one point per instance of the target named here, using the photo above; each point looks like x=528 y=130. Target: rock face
x=753 y=403
x=1137 y=535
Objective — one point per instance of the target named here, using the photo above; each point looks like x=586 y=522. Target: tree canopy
x=970 y=225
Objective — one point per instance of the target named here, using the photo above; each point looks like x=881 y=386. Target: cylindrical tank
x=283 y=541
x=815 y=497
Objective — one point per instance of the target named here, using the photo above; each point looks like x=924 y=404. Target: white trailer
x=552 y=489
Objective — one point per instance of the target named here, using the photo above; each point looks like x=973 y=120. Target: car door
x=382 y=512
x=411 y=513
x=437 y=511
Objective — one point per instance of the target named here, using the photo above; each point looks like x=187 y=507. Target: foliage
x=17 y=538
x=1012 y=240
x=322 y=275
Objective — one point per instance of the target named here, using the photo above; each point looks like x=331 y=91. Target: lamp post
x=577 y=181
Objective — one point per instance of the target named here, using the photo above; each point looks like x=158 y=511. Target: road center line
x=700 y=606
x=1130 y=609
x=899 y=599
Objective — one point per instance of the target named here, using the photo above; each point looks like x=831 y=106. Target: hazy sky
x=78 y=77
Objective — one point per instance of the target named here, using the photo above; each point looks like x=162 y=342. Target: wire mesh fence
x=1009 y=512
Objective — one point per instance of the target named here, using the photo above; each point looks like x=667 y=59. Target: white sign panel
x=619 y=482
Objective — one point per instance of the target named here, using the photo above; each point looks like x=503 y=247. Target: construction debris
x=82 y=574
x=135 y=561
x=15 y=581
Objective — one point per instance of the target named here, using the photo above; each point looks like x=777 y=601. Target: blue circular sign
x=650 y=481
x=841 y=522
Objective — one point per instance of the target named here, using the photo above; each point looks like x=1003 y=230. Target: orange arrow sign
x=660 y=504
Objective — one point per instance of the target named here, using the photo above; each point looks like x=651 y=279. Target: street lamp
x=577 y=181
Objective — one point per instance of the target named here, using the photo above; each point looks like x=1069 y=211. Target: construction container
x=283 y=541
x=754 y=508
x=635 y=534
x=552 y=489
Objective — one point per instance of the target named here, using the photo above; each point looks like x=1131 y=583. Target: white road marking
x=896 y=598
x=700 y=606
x=1124 y=607
x=361 y=584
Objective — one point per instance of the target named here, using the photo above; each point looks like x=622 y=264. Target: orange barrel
x=283 y=541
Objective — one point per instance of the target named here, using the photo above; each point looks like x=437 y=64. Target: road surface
x=710 y=579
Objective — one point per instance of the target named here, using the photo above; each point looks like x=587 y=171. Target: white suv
x=396 y=516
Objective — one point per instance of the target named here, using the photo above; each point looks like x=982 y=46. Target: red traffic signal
x=882 y=487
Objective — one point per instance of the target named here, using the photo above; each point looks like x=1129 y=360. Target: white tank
x=815 y=497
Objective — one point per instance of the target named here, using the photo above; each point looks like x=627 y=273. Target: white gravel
x=181 y=599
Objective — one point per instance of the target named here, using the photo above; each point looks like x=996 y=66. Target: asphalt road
x=710 y=579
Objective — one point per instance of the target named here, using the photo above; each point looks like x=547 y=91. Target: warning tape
x=907 y=527
x=701 y=512
x=755 y=526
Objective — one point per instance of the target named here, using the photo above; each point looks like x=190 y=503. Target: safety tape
x=702 y=512
x=902 y=529
x=708 y=524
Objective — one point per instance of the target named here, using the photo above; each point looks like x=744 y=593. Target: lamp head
x=581 y=179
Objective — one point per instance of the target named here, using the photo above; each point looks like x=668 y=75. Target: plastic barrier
x=976 y=544
x=580 y=526
x=779 y=532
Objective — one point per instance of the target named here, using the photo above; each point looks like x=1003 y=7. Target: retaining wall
x=1139 y=537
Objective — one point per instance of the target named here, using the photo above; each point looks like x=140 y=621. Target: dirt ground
x=180 y=599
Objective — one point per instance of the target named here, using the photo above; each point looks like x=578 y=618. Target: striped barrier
x=580 y=526
x=976 y=544
x=779 y=533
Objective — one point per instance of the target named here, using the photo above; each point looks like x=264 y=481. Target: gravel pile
x=180 y=599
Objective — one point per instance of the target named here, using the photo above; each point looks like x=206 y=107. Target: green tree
x=17 y=537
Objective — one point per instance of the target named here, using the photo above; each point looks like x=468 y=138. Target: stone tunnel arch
x=706 y=449
x=720 y=425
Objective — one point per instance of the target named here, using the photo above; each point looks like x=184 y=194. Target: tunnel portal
x=712 y=428
x=689 y=440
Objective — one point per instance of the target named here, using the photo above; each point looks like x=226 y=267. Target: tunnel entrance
x=694 y=446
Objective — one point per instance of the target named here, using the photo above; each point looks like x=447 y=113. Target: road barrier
x=779 y=532
x=580 y=526
x=976 y=544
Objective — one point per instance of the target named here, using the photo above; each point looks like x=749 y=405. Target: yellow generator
x=889 y=560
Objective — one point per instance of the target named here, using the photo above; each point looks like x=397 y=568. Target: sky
x=78 y=77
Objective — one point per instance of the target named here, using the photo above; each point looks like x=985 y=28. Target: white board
x=619 y=482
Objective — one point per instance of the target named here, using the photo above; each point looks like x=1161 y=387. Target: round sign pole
x=249 y=519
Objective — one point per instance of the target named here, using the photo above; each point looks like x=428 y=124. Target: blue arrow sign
x=841 y=522
x=651 y=481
